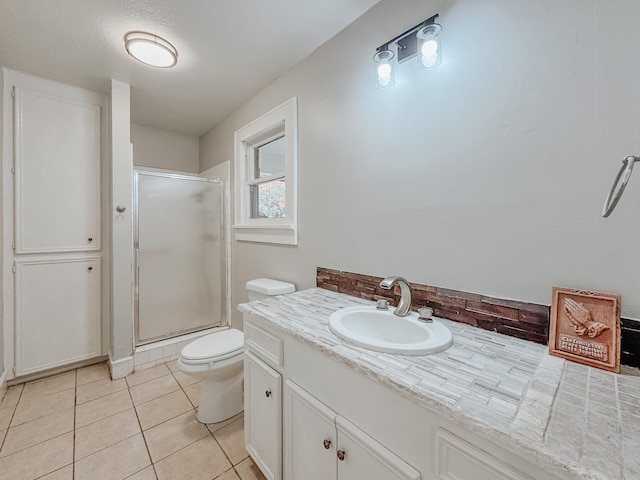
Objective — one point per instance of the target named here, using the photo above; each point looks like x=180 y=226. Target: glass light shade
x=429 y=46
x=151 y=49
x=383 y=66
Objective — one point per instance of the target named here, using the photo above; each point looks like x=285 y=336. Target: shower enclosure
x=179 y=251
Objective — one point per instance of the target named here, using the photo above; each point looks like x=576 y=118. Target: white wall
x=1 y=232
x=157 y=148
x=486 y=175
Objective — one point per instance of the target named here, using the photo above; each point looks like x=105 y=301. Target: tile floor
x=81 y=425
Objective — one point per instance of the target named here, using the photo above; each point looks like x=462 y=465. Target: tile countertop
x=559 y=414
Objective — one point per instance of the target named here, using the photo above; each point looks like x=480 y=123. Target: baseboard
x=3 y=384
x=121 y=368
x=30 y=377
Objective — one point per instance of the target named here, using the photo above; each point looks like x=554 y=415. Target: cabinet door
x=57 y=174
x=458 y=459
x=310 y=437
x=263 y=415
x=57 y=312
x=360 y=456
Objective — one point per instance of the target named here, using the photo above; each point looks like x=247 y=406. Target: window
x=266 y=154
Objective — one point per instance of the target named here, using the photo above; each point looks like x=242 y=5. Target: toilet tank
x=267 y=287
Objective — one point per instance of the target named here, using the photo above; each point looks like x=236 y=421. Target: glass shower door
x=179 y=253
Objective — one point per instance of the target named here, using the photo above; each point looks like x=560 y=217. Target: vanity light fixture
x=421 y=40
x=150 y=49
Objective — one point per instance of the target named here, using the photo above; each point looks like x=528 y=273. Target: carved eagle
x=580 y=317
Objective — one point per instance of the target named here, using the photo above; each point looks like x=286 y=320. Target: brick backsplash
x=529 y=321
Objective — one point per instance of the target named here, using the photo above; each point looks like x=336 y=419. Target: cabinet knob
x=327 y=444
x=267 y=393
x=90 y=239
x=341 y=455
x=121 y=209
x=90 y=268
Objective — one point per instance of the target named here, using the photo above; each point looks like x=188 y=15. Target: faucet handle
x=425 y=314
x=382 y=304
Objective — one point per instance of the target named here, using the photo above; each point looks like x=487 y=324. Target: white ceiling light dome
x=151 y=49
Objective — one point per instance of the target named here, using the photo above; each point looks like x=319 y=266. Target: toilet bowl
x=217 y=359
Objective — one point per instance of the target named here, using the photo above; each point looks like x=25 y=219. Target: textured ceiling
x=228 y=49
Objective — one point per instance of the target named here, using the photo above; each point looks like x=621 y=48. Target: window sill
x=281 y=234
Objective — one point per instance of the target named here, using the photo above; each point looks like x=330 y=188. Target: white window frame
x=282 y=120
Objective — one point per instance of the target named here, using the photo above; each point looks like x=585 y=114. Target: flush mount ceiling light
x=151 y=49
x=422 y=40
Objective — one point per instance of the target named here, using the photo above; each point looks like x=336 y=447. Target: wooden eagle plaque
x=585 y=327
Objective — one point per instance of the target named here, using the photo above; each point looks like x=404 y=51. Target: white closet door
x=57 y=312
x=57 y=174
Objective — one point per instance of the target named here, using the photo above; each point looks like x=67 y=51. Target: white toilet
x=217 y=360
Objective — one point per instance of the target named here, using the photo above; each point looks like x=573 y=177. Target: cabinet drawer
x=266 y=345
x=457 y=459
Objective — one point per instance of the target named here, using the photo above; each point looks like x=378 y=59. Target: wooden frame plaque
x=585 y=327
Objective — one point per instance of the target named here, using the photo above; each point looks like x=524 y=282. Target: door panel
x=57 y=174
x=366 y=458
x=310 y=437
x=57 y=312
x=263 y=415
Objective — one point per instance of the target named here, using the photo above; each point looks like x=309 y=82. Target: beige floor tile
x=12 y=396
x=173 y=435
x=115 y=462
x=193 y=392
x=99 y=388
x=155 y=388
x=43 y=406
x=65 y=473
x=39 y=460
x=5 y=416
x=106 y=432
x=248 y=470
x=228 y=475
x=231 y=439
x=172 y=365
x=146 y=474
x=184 y=380
x=49 y=385
x=37 y=431
x=162 y=409
x=102 y=407
x=214 y=427
x=202 y=460
x=90 y=374
x=141 y=376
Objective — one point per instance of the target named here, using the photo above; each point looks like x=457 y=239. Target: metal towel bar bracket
x=624 y=174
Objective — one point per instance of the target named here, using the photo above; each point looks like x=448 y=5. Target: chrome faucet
x=404 y=306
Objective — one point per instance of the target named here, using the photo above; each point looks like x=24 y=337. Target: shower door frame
x=225 y=321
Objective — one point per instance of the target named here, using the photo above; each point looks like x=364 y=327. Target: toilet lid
x=225 y=343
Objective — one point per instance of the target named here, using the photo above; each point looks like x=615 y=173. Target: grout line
x=75 y=402
x=144 y=438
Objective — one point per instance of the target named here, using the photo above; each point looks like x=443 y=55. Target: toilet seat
x=214 y=347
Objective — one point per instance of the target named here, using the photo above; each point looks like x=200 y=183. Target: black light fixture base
x=407 y=42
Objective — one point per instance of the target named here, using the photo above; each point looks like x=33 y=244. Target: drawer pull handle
x=267 y=393
x=341 y=455
x=327 y=444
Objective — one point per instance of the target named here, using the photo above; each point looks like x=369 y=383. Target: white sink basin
x=383 y=331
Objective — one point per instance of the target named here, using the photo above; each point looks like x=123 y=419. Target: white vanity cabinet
x=263 y=415
x=319 y=409
x=319 y=444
